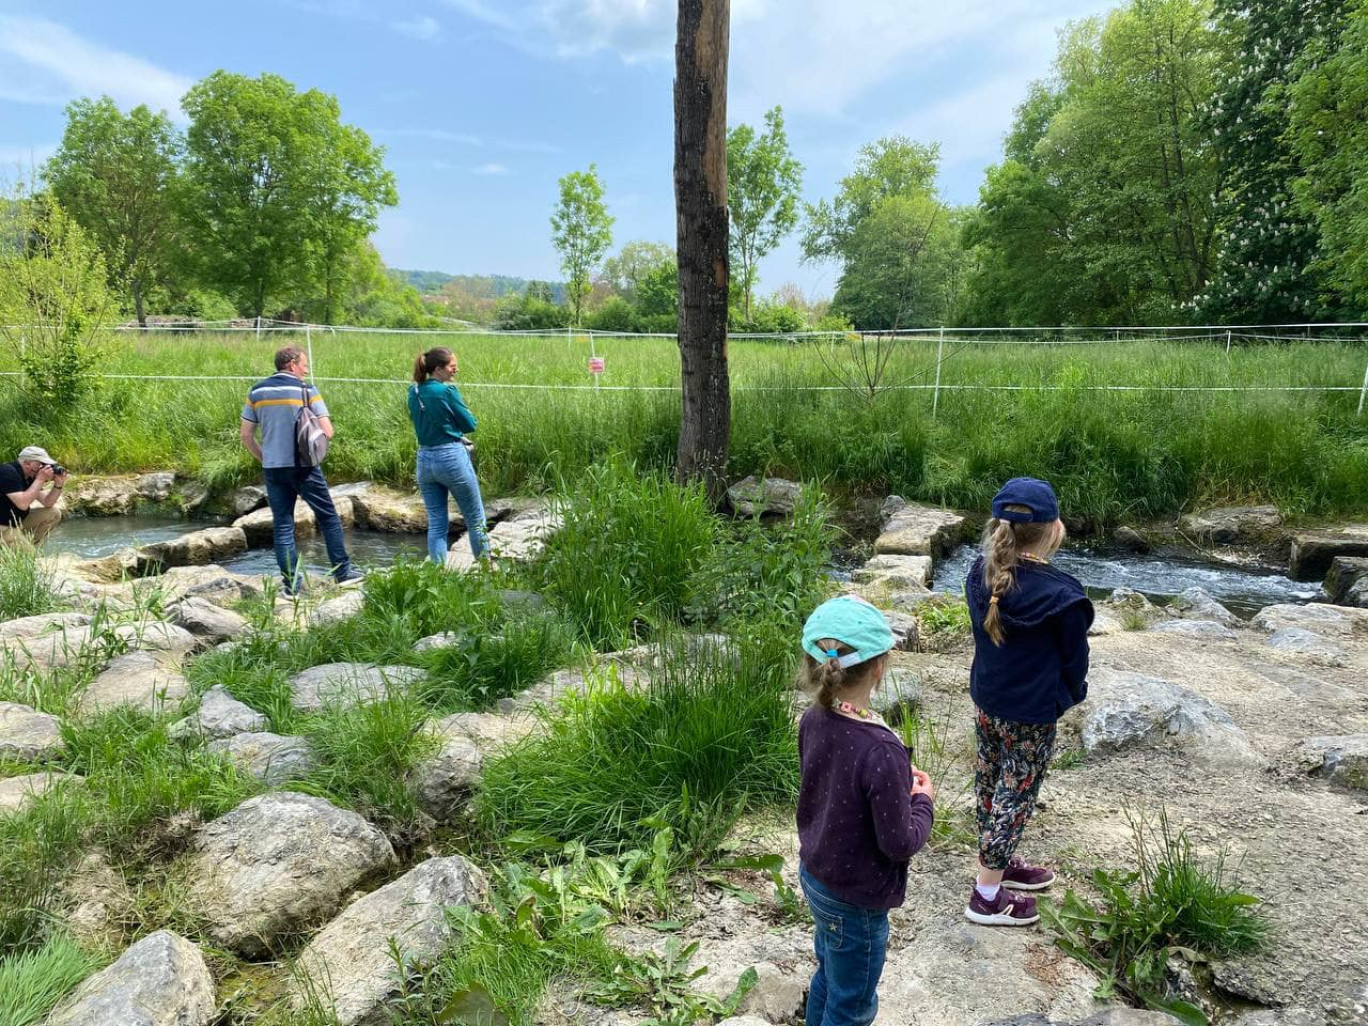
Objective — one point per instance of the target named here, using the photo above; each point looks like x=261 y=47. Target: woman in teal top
x=441 y=421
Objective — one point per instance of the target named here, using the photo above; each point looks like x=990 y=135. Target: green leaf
x=472 y=1007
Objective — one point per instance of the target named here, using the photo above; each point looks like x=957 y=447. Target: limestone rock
x=158 y=636
x=335 y=610
x=247 y=499
x=197 y=548
x=1327 y=621
x=225 y=589
x=898 y=696
x=45 y=642
x=1195 y=629
x=1200 y=604
x=486 y=731
x=348 y=684
x=1124 y=709
x=1313 y=647
x=159 y=981
x=1111 y=1017
x=259 y=530
x=349 y=961
x=155 y=487
x=777 y=996
x=98 y=901
x=1103 y=625
x=446 y=780
x=1343 y=760
x=521 y=537
x=515 y=600
x=381 y=509
x=745 y=1020
x=277 y=863
x=190 y=497
x=1131 y=540
x=27 y=735
x=914 y=530
x=906 y=630
x=1280 y=1017
x=894 y=572
x=204 y=619
x=1131 y=605
x=101 y=496
x=1343 y=582
x=17 y=793
x=1230 y=525
x=443 y=640
x=770 y=496
x=137 y=679
x=1313 y=552
x=271 y=758
x=220 y=715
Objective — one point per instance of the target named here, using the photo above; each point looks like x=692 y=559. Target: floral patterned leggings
x=1012 y=759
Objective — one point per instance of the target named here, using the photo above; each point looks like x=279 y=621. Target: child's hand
x=921 y=784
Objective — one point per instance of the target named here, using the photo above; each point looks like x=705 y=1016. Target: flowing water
x=1244 y=590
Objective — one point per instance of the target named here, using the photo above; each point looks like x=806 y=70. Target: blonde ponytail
x=999 y=573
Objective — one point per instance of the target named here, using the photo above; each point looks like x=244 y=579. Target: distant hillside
x=491 y=286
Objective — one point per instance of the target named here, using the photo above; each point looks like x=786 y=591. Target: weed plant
x=32 y=982
x=708 y=738
x=27 y=587
x=1174 y=903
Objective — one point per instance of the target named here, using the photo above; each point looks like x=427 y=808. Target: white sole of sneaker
x=1017 y=885
x=998 y=919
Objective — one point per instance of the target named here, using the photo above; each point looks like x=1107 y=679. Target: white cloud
x=425 y=28
x=46 y=63
x=436 y=135
x=491 y=169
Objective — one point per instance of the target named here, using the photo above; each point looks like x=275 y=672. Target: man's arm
x=26 y=498
x=247 y=432
x=53 y=495
x=326 y=424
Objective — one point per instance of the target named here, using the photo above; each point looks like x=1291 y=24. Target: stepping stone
x=157 y=636
x=894 y=572
x=771 y=496
x=45 y=642
x=1342 y=760
x=1231 y=524
x=1194 y=629
x=211 y=545
x=247 y=499
x=1345 y=582
x=1302 y=642
x=1313 y=552
x=208 y=621
x=27 y=735
x=445 y=781
x=380 y=509
x=141 y=680
x=160 y=981
x=349 y=684
x=446 y=639
x=335 y=610
x=1126 y=709
x=276 y=864
x=1200 y=604
x=1327 y=621
x=273 y=759
x=258 y=527
x=220 y=715
x=348 y=963
x=18 y=793
x=915 y=530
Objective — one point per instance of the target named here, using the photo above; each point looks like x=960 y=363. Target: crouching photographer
x=30 y=489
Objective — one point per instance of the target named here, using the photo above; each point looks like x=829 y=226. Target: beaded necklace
x=1031 y=557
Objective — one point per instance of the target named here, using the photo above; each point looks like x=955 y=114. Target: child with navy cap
x=863 y=810
x=1030 y=622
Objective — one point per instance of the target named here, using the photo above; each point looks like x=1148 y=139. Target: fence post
x=308 y=343
x=258 y=327
x=935 y=395
x=1227 y=341
x=1363 y=391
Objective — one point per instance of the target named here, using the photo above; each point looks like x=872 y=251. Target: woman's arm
x=460 y=413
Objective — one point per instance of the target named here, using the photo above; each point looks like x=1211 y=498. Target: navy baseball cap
x=1036 y=495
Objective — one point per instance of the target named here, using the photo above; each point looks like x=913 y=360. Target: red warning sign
x=595 y=365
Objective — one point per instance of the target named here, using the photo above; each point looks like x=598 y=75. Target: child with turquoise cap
x=863 y=810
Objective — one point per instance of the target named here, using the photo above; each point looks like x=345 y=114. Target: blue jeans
x=446 y=470
x=851 y=943
x=283 y=486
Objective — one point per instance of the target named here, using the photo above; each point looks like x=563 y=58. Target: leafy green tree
x=633 y=262
x=278 y=191
x=581 y=231
x=763 y=184
x=1264 y=271
x=1329 y=134
x=116 y=176
x=540 y=290
x=658 y=292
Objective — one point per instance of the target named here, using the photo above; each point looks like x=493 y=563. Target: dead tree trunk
x=700 y=96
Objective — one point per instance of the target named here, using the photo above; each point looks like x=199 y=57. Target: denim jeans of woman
x=445 y=471
x=851 y=943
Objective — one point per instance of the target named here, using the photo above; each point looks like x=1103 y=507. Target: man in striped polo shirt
x=273 y=407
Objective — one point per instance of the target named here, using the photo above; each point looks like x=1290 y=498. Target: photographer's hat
x=851 y=621
x=37 y=454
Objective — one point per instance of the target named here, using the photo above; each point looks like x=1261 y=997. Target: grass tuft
x=31 y=983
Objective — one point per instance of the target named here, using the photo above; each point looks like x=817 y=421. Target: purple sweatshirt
x=858 y=823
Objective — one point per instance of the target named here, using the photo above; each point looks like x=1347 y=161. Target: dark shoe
x=1022 y=876
x=353 y=576
x=1007 y=909
x=296 y=590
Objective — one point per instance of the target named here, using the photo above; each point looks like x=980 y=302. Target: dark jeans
x=851 y=943
x=283 y=486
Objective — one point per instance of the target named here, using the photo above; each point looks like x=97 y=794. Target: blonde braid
x=999 y=573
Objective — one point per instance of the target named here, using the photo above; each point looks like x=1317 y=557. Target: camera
x=58 y=470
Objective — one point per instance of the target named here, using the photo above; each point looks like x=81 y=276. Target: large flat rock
x=349 y=962
x=894 y=573
x=769 y=496
x=521 y=537
x=277 y=863
x=1327 y=621
x=220 y=715
x=348 y=684
x=159 y=981
x=197 y=548
x=915 y=530
x=1346 y=583
x=140 y=680
x=274 y=759
x=27 y=735
x=1125 y=709
x=1314 y=551
x=1229 y=525
x=1343 y=760
x=207 y=620
x=446 y=780
x=45 y=642
x=259 y=525
x=382 y=509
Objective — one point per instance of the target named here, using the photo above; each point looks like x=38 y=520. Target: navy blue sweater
x=858 y=822
x=1041 y=670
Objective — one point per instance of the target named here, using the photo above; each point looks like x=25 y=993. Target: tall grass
x=27 y=587
x=709 y=737
x=33 y=982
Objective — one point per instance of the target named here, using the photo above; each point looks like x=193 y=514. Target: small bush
x=1173 y=901
x=33 y=982
x=483 y=667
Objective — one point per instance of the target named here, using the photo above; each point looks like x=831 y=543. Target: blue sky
x=483 y=104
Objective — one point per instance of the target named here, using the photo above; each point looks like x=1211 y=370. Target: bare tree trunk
x=138 y=303
x=701 y=208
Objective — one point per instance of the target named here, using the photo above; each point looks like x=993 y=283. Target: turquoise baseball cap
x=853 y=622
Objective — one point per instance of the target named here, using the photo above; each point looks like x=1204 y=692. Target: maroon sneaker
x=1022 y=876
x=1007 y=909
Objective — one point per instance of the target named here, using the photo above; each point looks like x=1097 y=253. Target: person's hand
x=921 y=784
x=60 y=479
x=44 y=473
